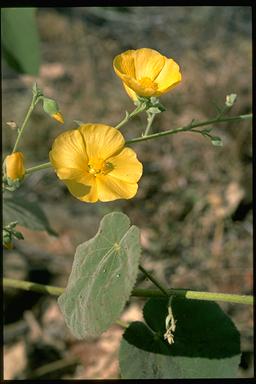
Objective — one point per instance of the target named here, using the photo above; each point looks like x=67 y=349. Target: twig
x=154 y=281
x=189 y=127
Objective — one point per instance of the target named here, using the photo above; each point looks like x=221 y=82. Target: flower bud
x=51 y=107
x=58 y=116
x=14 y=166
x=230 y=100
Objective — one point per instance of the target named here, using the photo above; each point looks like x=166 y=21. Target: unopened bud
x=51 y=107
x=14 y=166
x=230 y=99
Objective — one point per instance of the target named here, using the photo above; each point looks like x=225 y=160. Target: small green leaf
x=206 y=343
x=18 y=235
x=154 y=110
x=216 y=141
x=27 y=214
x=20 y=39
x=102 y=277
x=6 y=236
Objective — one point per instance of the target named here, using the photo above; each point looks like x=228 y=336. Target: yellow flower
x=94 y=164
x=145 y=72
x=14 y=166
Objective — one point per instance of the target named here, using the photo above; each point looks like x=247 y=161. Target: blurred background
x=194 y=204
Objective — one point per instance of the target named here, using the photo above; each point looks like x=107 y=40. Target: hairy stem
x=190 y=127
x=128 y=116
x=184 y=293
x=151 y=117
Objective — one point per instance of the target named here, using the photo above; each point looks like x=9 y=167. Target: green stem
x=160 y=134
x=151 y=117
x=223 y=111
x=183 y=293
x=38 y=167
x=34 y=287
x=190 y=127
x=197 y=295
x=128 y=116
x=154 y=281
x=34 y=101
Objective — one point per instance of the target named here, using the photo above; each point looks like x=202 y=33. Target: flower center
x=99 y=167
x=146 y=82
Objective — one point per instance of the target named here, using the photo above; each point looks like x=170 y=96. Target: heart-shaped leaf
x=206 y=342
x=102 y=277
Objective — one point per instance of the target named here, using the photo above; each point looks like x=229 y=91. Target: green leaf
x=27 y=214
x=216 y=141
x=154 y=110
x=102 y=277
x=20 y=40
x=206 y=343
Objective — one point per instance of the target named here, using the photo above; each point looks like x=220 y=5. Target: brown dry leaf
x=15 y=360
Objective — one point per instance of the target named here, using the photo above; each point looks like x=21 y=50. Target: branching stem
x=128 y=116
x=184 y=293
x=34 y=101
x=154 y=281
x=189 y=128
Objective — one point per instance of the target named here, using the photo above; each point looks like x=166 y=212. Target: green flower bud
x=51 y=107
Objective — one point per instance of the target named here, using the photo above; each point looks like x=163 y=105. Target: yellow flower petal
x=138 y=87
x=148 y=63
x=169 y=76
x=124 y=63
x=126 y=166
x=130 y=92
x=83 y=192
x=70 y=174
x=111 y=188
x=68 y=151
x=102 y=141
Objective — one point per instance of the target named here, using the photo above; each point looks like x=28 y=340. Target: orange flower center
x=146 y=82
x=99 y=167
